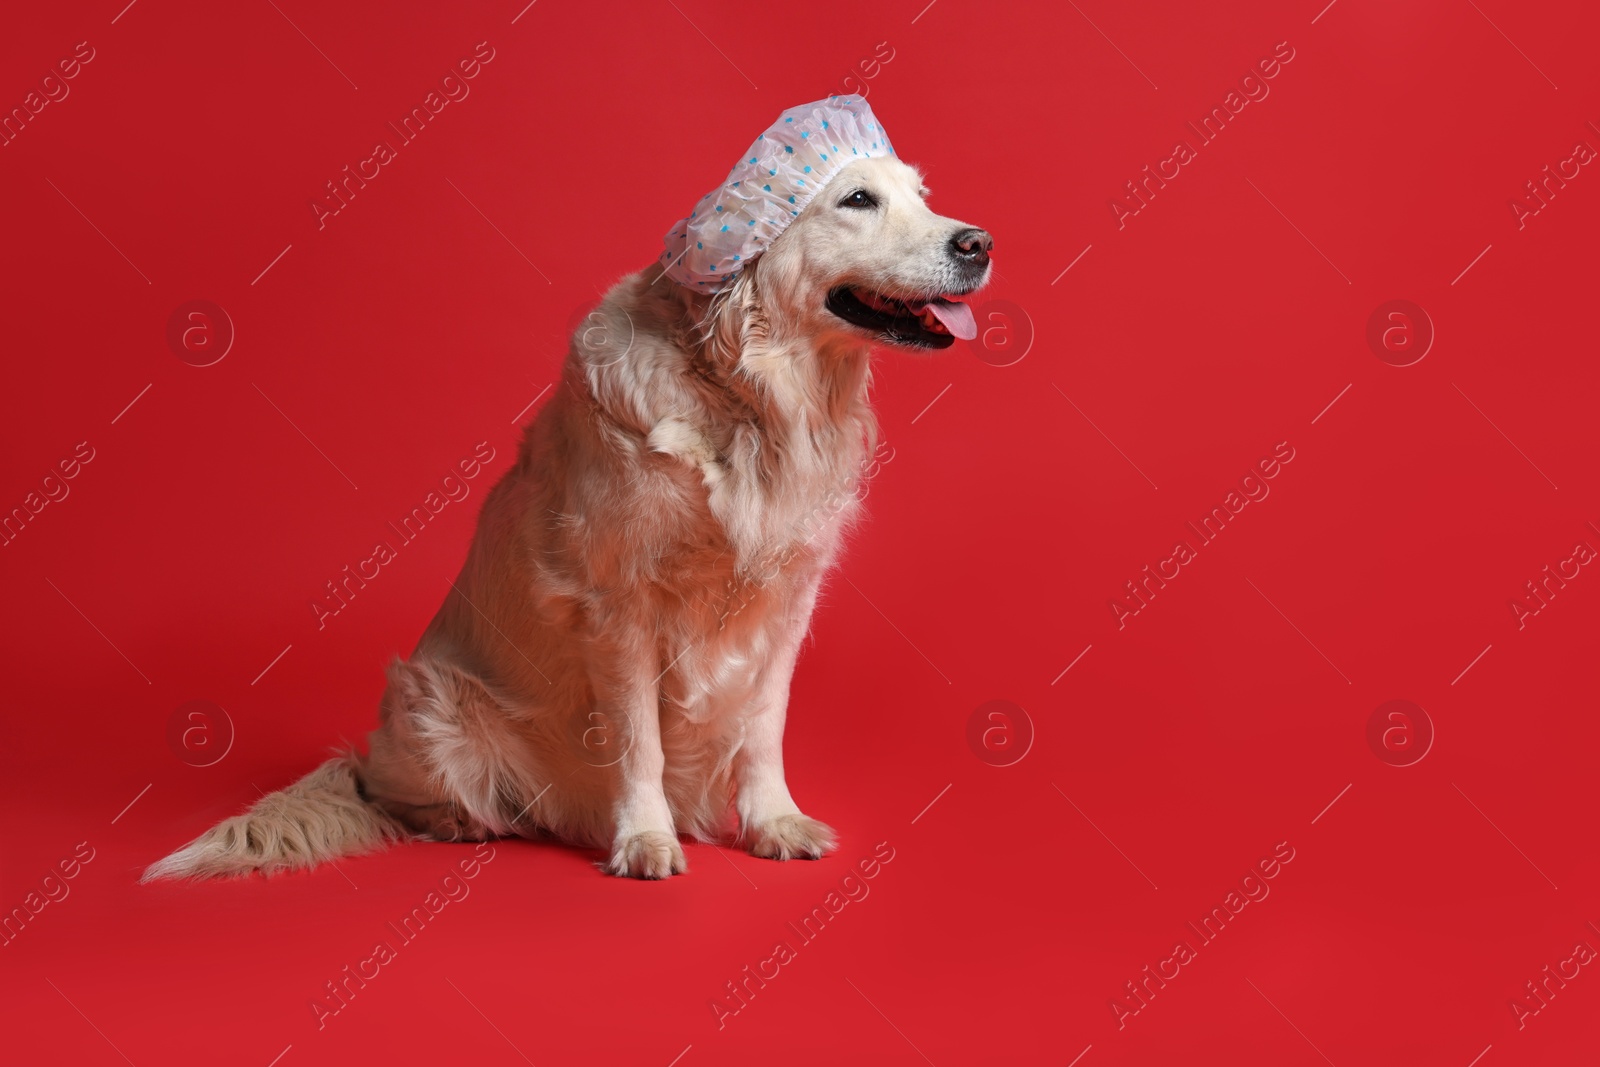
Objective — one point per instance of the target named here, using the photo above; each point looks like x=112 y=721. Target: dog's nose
x=972 y=246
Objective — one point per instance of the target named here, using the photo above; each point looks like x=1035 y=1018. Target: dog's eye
x=859 y=198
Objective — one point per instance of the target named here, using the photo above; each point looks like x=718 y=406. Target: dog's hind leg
x=447 y=760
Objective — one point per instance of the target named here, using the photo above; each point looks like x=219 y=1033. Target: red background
x=1223 y=719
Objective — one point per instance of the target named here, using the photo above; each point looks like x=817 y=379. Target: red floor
x=1419 y=890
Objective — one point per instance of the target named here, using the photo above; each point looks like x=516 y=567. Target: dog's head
x=867 y=257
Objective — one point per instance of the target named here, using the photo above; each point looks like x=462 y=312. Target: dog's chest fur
x=775 y=501
x=733 y=473
x=753 y=449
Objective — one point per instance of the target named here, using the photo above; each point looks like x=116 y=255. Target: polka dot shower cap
x=773 y=182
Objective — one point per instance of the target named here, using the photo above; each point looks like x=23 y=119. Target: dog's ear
x=735 y=320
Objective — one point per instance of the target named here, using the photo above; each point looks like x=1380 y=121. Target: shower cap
x=773 y=182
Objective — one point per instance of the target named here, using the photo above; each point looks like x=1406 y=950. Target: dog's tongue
x=956 y=316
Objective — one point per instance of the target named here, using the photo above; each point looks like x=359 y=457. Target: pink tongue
x=957 y=318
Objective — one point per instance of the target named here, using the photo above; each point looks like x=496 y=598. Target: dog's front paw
x=651 y=854
x=791 y=836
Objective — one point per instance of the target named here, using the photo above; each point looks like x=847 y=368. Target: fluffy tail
x=319 y=818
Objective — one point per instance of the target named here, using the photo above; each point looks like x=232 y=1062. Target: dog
x=591 y=676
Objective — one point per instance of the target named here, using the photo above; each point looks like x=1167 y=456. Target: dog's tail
x=319 y=818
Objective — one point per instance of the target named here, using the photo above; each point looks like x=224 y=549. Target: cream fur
x=584 y=679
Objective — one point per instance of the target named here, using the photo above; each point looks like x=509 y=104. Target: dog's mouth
x=926 y=322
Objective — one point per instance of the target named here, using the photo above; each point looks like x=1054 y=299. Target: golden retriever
x=612 y=666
